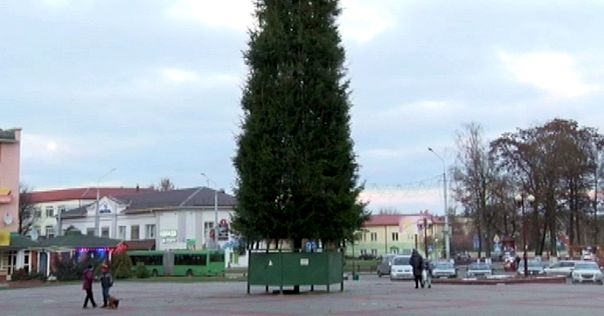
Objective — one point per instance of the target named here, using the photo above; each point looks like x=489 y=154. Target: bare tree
x=477 y=183
x=27 y=215
x=165 y=184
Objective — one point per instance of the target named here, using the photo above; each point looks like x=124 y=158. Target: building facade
x=10 y=158
x=399 y=234
x=12 y=251
x=48 y=206
x=194 y=218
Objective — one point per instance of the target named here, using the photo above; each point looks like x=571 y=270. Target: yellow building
x=399 y=234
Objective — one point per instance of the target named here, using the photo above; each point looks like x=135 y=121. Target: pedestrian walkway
x=368 y=296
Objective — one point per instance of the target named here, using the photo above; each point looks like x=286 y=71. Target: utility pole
x=446 y=230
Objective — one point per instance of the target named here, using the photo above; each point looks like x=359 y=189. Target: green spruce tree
x=297 y=172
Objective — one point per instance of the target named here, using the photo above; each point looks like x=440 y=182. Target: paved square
x=368 y=296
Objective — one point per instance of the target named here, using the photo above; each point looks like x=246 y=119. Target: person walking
x=106 y=283
x=417 y=263
x=87 y=279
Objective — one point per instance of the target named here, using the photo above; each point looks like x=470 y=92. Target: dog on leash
x=113 y=302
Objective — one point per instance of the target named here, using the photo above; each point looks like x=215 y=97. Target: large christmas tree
x=297 y=173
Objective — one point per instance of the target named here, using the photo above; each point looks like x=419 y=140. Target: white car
x=479 y=269
x=401 y=269
x=562 y=267
x=444 y=269
x=587 y=271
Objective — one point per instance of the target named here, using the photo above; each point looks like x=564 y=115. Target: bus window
x=190 y=259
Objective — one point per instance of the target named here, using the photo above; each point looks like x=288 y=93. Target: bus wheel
x=189 y=272
x=154 y=273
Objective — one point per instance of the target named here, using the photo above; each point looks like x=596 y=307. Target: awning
x=5 y=196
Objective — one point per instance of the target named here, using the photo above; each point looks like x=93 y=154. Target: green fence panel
x=265 y=268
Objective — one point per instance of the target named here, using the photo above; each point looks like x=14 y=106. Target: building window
x=61 y=209
x=134 y=232
x=121 y=232
x=38 y=212
x=374 y=252
x=150 y=231
x=208 y=225
x=50 y=231
x=105 y=231
x=394 y=236
x=50 y=211
x=90 y=231
x=373 y=236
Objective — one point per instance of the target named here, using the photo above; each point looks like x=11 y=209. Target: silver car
x=479 y=269
x=444 y=269
x=562 y=267
x=534 y=267
x=587 y=271
x=384 y=267
x=401 y=269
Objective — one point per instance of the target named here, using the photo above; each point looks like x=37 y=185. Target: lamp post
x=521 y=199
x=215 y=206
x=424 y=223
x=446 y=228
x=97 y=218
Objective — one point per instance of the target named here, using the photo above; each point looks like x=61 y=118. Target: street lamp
x=446 y=228
x=520 y=200
x=215 y=206
x=98 y=196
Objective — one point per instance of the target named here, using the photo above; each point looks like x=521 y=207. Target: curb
x=543 y=280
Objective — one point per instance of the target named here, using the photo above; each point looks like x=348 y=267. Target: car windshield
x=586 y=266
x=443 y=265
x=399 y=261
x=479 y=266
x=536 y=264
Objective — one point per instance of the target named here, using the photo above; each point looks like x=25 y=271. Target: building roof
x=74 y=240
x=192 y=197
x=18 y=242
x=80 y=194
x=394 y=219
x=8 y=135
x=154 y=200
x=143 y=244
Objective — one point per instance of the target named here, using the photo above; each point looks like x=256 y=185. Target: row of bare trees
x=559 y=163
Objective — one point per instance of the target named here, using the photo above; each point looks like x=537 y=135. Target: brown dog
x=113 y=302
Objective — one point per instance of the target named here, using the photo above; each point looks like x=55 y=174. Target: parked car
x=562 y=267
x=401 y=269
x=534 y=267
x=478 y=269
x=383 y=267
x=587 y=271
x=367 y=256
x=444 y=269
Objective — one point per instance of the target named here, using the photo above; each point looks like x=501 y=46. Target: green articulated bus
x=180 y=262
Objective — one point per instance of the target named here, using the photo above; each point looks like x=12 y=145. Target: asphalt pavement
x=369 y=295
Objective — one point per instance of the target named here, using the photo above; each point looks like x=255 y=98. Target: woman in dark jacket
x=87 y=279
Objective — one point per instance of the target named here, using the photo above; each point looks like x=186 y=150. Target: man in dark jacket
x=417 y=263
x=106 y=283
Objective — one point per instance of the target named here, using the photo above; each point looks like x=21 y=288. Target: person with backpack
x=106 y=283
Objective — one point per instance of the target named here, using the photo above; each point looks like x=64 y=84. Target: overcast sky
x=153 y=88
